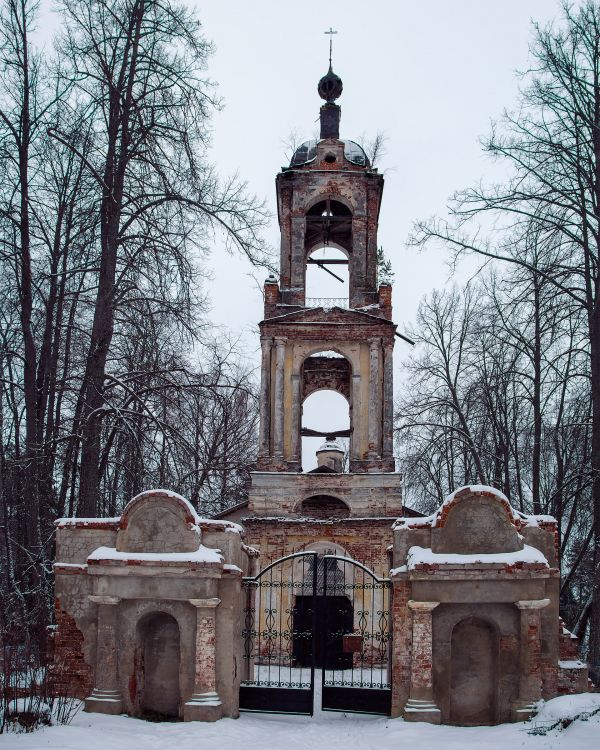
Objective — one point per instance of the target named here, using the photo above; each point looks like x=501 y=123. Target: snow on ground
x=324 y=731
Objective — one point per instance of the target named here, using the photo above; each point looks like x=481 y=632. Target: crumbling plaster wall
x=477 y=560
x=280 y=494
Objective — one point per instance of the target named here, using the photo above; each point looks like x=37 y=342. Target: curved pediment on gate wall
x=158 y=521
x=476 y=520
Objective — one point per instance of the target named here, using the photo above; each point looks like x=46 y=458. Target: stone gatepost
x=530 y=680
x=421 y=705
x=105 y=697
x=204 y=703
x=401 y=645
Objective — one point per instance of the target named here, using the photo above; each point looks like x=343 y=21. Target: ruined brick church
x=321 y=591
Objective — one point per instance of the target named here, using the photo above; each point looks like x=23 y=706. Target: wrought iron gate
x=308 y=614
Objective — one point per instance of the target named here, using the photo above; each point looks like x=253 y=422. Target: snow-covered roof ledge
x=203 y=556
x=88 y=523
x=571 y=664
x=423 y=558
x=69 y=568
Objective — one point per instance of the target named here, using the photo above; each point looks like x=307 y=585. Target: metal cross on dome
x=331 y=32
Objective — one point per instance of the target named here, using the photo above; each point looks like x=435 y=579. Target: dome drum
x=307 y=153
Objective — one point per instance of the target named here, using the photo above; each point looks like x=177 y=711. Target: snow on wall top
x=203 y=555
x=88 y=522
x=422 y=557
x=433 y=520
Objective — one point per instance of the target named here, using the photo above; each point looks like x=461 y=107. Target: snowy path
x=322 y=732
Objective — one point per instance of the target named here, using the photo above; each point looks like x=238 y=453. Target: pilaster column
x=388 y=400
x=298 y=261
x=295 y=416
x=356 y=423
x=530 y=679
x=106 y=697
x=421 y=705
x=358 y=261
x=204 y=703
x=265 y=398
x=278 y=410
x=374 y=389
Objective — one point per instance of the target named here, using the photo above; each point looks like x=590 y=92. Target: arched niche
x=473 y=672
x=157 y=667
x=323 y=506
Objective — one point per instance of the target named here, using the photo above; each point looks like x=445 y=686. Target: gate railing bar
x=314 y=630
x=372 y=644
x=268 y=567
x=280 y=651
x=357 y=564
x=325 y=626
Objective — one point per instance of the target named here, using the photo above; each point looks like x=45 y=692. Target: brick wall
x=401 y=645
x=364 y=540
x=70 y=674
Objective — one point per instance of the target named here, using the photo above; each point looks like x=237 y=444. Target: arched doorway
x=328 y=610
x=473 y=655
x=157 y=667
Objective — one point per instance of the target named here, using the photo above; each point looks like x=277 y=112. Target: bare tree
x=112 y=379
x=552 y=144
x=137 y=65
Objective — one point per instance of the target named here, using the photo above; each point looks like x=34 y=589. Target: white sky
x=430 y=74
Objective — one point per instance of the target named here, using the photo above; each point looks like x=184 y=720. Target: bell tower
x=328 y=199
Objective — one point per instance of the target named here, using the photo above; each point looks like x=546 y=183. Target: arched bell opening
x=327 y=278
x=473 y=673
x=157 y=668
x=328 y=222
x=326 y=431
x=327 y=249
x=326 y=411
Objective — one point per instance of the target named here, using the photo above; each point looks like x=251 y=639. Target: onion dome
x=330 y=87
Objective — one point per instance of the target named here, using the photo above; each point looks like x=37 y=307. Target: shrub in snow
x=560 y=713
